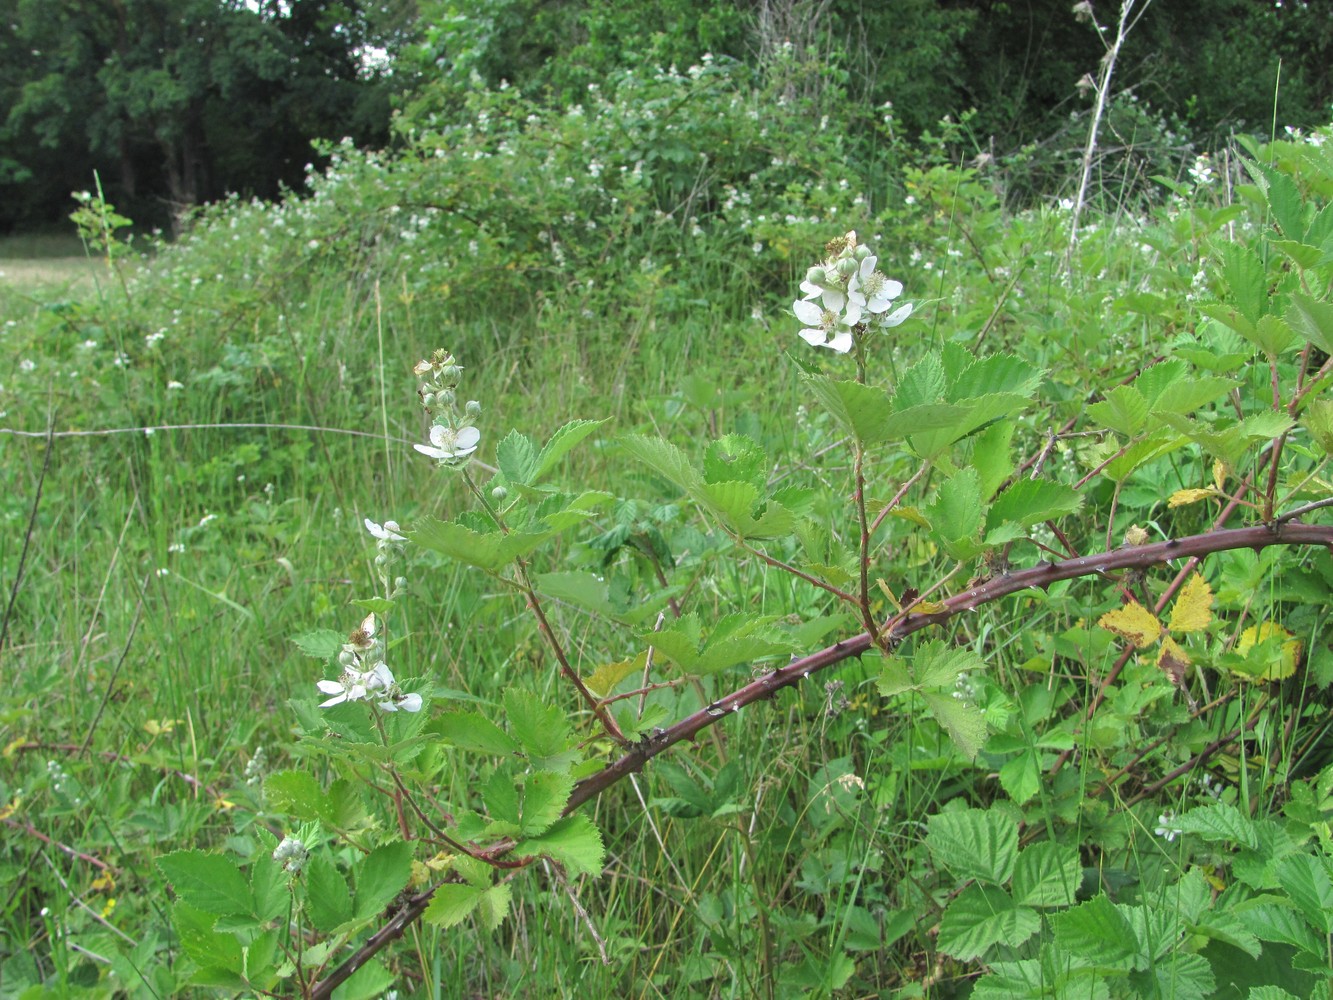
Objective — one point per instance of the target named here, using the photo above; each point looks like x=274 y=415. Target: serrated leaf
x=665 y=459
x=1097 y=932
x=998 y=373
x=328 y=900
x=488 y=550
x=297 y=794
x=1308 y=880
x=380 y=876
x=473 y=731
x=1193 y=609
x=216 y=951
x=1033 y=501
x=1185 y=395
x=733 y=504
x=974 y=844
x=604 y=679
x=937 y=664
x=894 y=677
x=1220 y=822
x=208 y=882
x=975 y=414
x=1047 y=874
x=493 y=906
x=861 y=410
x=1312 y=319
x=922 y=383
x=964 y=722
x=992 y=456
x=735 y=457
x=982 y=917
x=1183 y=498
x=1271 y=649
x=1246 y=278
x=516 y=457
x=451 y=903
x=573 y=842
x=542 y=730
x=1133 y=622
x=544 y=796
x=322 y=644
x=500 y=796
x=956 y=511
x=561 y=443
x=1124 y=410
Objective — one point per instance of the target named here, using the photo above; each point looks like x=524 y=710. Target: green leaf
x=322 y=644
x=1124 y=410
x=573 y=842
x=561 y=443
x=500 y=795
x=369 y=981
x=328 y=900
x=1312 y=319
x=1220 y=822
x=295 y=793
x=964 y=722
x=1032 y=501
x=380 y=876
x=999 y=373
x=542 y=730
x=974 y=844
x=1185 y=395
x=976 y=413
x=665 y=459
x=861 y=410
x=1243 y=273
x=733 y=504
x=516 y=457
x=1307 y=880
x=736 y=458
x=982 y=917
x=208 y=882
x=214 y=951
x=1098 y=932
x=544 y=796
x=451 y=903
x=921 y=384
x=493 y=906
x=1047 y=874
x=268 y=885
x=1179 y=977
x=992 y=456
x=473 y=731
x=484 y=550
x=736 y=638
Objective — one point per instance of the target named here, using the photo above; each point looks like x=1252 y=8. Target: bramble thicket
x=644 y=544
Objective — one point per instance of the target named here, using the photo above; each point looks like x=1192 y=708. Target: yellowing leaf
x=1133 y=622
x=1277 y=667
x=1220 y=471
x=608 y=675
x=1173 y=661
x=1183 y=498
x=1193 y=609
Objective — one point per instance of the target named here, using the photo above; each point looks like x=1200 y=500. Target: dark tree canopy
x=175 y=102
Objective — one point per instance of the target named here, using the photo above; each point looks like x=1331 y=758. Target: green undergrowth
x=223 y=419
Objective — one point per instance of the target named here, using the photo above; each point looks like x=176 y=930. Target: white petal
x=330 y=687
x=853 y=314
x=834 y=300
x=807 y=312
x=410 y=703
x=892 y=289
x=815 y=338
x=426 y=449
x=897 y=316
x=811 y=290
x=841 y=342
x=466 y=438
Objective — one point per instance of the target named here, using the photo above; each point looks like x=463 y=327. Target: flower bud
x=1136 y=536
x=861 y=252
x=499 y=493
x=816 y=276
x=473 y=408
x=848 y=266
x=445 y=397
x=428 y=399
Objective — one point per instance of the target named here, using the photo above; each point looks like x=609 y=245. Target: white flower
x=824 y=327
x=895 y=317
x=388 y=532
x=1167 y=828
x=871 y=289
x=351 y=686
x=447 y=444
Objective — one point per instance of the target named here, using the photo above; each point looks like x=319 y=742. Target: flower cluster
x=845 y=296
x=291 y=854
x=452 y=436
x=366 y=676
